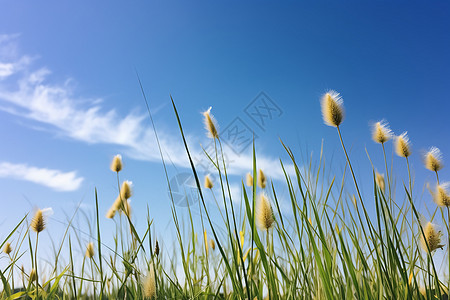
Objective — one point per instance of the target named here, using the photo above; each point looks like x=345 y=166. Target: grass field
x=330 y=246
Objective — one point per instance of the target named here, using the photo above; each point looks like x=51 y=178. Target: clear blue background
x=388 y=60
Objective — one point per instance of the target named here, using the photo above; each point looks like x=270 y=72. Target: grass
x=327 y=247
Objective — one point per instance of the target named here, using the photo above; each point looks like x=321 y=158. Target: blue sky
x=70 y=99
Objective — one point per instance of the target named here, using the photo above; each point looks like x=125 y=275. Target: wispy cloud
x=54 y=179
x=31 y=96
x=6 y=70
x=10 y=62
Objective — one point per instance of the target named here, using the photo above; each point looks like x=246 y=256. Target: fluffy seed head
x=126 y=192
x=150 y=285
x=7 y=249
x=120 y=205
x=212 y=244
x=111 y=212
x=442 y=196
x=264 y=213
x=402 y=145
x=117 y=205
x=90 y=250
x=116 y=164
x=432 y=237
x=208 y=182
x=261 y=179
x=381 y=132
x=38 y=223
x=380 y=181
x=210 y=124
x=332 y=108
x=249 y=179
x=433 y=159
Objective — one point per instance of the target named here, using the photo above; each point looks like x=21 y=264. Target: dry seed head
x=150 y=285
x=111 y=212
x=7 y=249
x=381 y=132
x=332 y=108
x=249 y=179
x=210 y=124
x=126 y=192
x=264 y=213
x=90 y=250
x=208 y=182
x=116 y=164
x=402 y=145
x=380 y=181
x=33 y=275
x=433 y=159
x=117 y=205
x=38 y=223
x=156 y=248
x=442 y=196
x=432 y=237
x=212 y=244
x=261 y=179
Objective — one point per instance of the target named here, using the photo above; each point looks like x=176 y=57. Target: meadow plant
x=208 y=182
x=321 y=241
x=261 y=179
x=433 y=161
x=249 y=180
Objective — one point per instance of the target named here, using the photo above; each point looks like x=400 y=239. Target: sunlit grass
x=324 y=245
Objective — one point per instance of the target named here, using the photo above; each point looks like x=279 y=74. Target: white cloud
x=8 y=53
x=6 y=70
x=54 y=179
x=237 y=196
x=47 y=212
x=32 y=97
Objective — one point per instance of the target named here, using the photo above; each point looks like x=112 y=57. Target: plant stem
x=36 y=266
x=448 y=246
x=93 y=278
x=349 y=164
x=387 y=177
x=12 y=272
x=412 y=212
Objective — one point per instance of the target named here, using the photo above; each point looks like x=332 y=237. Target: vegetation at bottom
x=325 y=241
